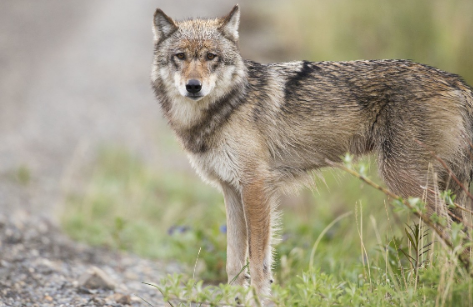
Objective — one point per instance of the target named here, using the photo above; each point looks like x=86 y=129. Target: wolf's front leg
x=257 y=203
x=237 y=241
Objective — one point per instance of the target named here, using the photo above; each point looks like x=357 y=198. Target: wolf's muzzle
x=193 y=86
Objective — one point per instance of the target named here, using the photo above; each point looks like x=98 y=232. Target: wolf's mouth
x=194 y=97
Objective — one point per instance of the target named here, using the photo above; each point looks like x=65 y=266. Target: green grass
x=358 y=261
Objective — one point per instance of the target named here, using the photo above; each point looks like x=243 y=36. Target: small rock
x=13 y=236
x=122 y=299
x=48 y=298
x=136 y=299
x=95 y=278
x=83 y=290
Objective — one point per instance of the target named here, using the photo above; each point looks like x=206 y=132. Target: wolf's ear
x=163 y=25
x=230 y=24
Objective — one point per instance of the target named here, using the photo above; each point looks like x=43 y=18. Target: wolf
x=258 y=130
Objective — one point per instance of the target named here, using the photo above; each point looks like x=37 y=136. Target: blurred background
x=83 y=140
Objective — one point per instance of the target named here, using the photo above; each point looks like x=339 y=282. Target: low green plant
x=179 y=292
x=328 y=256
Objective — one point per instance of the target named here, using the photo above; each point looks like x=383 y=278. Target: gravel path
x=75 y=76
x=39 y=266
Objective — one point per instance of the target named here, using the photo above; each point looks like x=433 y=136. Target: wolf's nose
x=193 y=86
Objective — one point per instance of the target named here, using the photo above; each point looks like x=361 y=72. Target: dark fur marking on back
x=295 y=82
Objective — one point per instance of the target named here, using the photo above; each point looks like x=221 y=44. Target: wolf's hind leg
x=409 y=175
x=237 y=240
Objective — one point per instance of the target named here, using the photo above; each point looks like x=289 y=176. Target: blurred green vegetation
x=433 y=32
x=133 y=206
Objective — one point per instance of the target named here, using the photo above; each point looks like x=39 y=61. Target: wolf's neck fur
x=197 y=137
x=203 y=118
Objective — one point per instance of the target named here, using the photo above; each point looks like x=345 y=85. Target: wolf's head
x=196 y=61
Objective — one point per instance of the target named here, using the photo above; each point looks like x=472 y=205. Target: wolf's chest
x=217 y=164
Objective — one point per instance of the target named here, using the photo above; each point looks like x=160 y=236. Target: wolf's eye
x=180 y=56
x=211 y=56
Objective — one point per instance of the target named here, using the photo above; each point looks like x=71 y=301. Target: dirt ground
x=75 y=76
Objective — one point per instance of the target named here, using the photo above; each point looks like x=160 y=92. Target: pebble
x=95 y=278
x=122 y=299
